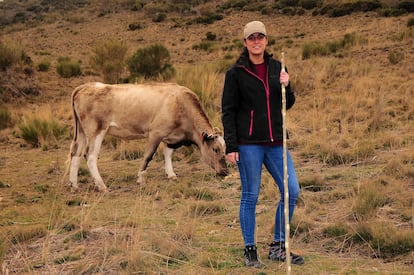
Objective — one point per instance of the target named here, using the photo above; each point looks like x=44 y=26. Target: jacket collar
x=244 y=60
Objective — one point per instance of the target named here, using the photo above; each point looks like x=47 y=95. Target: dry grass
x=351 y=138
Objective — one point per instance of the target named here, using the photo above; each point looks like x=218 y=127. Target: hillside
x=351 y=138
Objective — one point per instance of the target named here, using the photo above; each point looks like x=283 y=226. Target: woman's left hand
x=284 y=78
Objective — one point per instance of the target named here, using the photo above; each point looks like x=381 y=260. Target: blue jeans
x=251 y=159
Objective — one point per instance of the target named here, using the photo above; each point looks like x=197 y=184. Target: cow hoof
x=102 y=189
x=141 y=177
x=74 y=189
x=172 y=178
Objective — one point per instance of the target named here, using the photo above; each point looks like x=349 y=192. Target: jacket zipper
x=251 y=122
x=269 y=120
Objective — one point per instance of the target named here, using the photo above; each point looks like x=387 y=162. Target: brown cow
x=165 y=112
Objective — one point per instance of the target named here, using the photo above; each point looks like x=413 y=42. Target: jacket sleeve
x=290 y=96
x=229 y=107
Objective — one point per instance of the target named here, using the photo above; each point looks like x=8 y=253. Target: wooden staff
x=285 y=174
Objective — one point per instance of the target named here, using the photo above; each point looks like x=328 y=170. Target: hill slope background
x=351 y=137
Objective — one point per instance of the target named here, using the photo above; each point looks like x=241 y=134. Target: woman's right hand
x=232 y=157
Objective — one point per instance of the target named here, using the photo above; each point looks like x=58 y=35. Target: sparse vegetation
x=151 y=62
x=40 y=133
x=5 y=117
x=68 y=68
x=350 y=136
x=109 y=58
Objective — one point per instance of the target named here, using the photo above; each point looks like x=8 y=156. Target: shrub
x=308 y=4
x=10 y=54
x=211 y=36
x=318 y=49
x=5 y=118
x=368 y=199
x=208 y=19
x=3 y=249
x=410 y=22
x=151 y=62
x=159 y=17
x=235 y=4
x=395 y=56
x=338 y=230
x=67 y=68
x=38 y=132
x=313 y=48
x=109 y=59
x=408 y=6
x=204 y=45
x=43 y=66
x=135 y=26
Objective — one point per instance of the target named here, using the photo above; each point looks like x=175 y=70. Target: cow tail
x=76 y=130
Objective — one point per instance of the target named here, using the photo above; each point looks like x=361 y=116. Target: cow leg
x=73 y=174
x=150 y=150
x=77 y=149
x=168 y=162
x=92 y=160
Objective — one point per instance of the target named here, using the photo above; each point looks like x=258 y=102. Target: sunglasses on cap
x=259 y=37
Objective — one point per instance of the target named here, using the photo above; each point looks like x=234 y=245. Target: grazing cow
x=166 y=113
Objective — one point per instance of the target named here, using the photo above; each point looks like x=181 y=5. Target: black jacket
x=251 y=108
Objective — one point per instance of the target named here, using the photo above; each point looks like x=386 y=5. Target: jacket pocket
x=251 y=122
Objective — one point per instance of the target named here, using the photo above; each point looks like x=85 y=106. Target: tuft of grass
x=109 y=59
x=39 y=132
x=368 y=198
x=5 y=117
x=3 y=249
x=337 y=230
x=23 y=234
x=206 y=208
x=204 y=81
x=67 y=68
x=43 y=66
x=322 y=49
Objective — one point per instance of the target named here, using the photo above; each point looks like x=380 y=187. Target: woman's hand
x=284 y=78
x=232 y=157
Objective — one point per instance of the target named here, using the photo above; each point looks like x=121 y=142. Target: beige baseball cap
x=253 y=27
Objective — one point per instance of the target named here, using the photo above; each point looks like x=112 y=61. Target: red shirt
x=261 y=71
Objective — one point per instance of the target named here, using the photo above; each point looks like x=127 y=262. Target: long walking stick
x=285 y=174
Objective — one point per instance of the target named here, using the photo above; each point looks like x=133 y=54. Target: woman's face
x=256 y=43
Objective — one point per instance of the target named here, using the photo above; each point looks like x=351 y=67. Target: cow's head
x=213 y=152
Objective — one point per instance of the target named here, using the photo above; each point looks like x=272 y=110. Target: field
x=351 y=139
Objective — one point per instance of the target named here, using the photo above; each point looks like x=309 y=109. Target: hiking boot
x=250 y=256
x=277 y=252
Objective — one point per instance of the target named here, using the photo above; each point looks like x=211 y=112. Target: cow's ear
x=217 y=131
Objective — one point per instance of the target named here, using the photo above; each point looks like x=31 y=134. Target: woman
x=252 y=120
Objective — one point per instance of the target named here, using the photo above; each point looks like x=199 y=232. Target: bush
x=43 y=66
x=67 y=68
x=370 y=197
x=10 y=54
x=39 y=132
x=211 y=36
x=151 y=62
x=109 y=59
x=5 y=118
x=318 y=49
x=134 y=26
x=205 y=46
x=410 y=22
x=308 y=4
x=159 y=17
x=408 y=6
x=208 y=19
x=3 y=249
x=395 y=56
